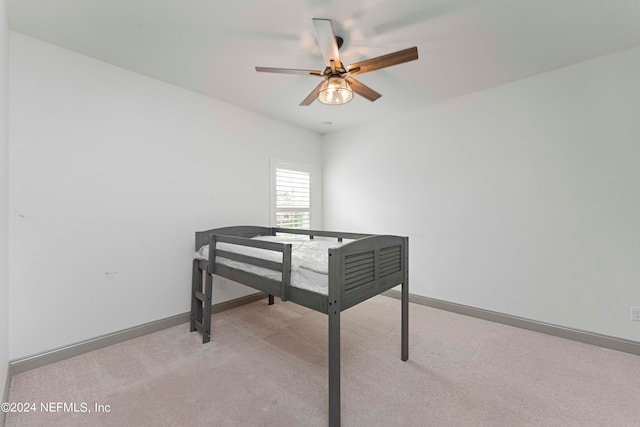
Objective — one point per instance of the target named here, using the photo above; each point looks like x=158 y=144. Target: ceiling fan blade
x=312 y=96
x=384 y=61
x=288 y=71
x=363 y=90
x=327 y=41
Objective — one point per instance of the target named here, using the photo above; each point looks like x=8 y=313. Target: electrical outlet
x=223 y=284
x=635 y=313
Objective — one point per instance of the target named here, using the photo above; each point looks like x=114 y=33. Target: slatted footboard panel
x=390 y=260
x=368 y=267
x=359 y=269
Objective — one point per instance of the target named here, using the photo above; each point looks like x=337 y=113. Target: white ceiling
x=212 y=46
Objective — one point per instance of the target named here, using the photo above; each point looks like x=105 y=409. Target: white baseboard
x=586 y=337
x=45 y=358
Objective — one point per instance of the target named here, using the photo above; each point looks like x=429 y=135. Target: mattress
x=309 y=260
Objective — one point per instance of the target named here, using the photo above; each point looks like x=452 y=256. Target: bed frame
x=358 y=270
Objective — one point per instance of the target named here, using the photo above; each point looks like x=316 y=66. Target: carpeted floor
x=267 y=366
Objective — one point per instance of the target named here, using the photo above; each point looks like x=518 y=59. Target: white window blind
x=293 y=198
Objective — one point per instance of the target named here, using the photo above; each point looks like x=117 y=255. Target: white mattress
x=309 y=260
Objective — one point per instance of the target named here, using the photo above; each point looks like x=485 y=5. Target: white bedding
x=309 y=260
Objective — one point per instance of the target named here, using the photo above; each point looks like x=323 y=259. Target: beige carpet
x=267 y=366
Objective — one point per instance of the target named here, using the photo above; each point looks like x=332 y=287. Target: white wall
x=111 y=175
x=4 y=198
x=523 y=199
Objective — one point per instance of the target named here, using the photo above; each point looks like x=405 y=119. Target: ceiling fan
x=338 y=84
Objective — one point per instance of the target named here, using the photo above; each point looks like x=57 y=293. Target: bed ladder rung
x=200 y=296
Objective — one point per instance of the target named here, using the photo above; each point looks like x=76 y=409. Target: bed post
x=334 y=367
x=286 y=272
x=206 y=315
x=333 y=310
x=405 y=304
x=272 y=232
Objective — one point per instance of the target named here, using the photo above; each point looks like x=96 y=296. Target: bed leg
x=270 y=299
x=206 y=312
x=405 y=321
x=334 y=366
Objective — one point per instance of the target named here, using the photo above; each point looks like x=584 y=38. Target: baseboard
x=586 y=337
x=5 y=394
x=41 y=359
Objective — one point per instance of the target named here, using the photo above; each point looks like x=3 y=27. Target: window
x=291 y=194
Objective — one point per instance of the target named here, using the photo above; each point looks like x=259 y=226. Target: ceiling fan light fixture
x=335 y=91
x=339 y=84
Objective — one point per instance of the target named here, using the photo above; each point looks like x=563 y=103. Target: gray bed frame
x=358 y=270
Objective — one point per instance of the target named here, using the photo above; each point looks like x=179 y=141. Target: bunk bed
x=358 y=267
